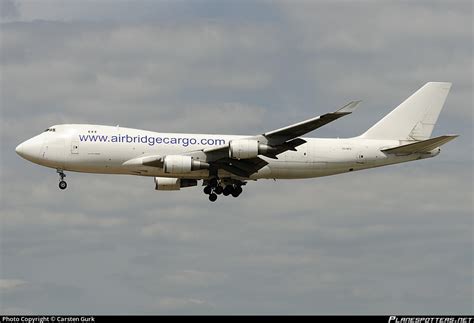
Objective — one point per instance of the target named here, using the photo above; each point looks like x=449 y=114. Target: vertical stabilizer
x=415 y=118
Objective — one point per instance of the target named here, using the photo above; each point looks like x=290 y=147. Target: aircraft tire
x=237 y=191
x=62 y=185
x=228 y=190
x=218 y=190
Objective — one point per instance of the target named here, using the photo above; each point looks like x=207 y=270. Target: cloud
x=11 y=284
x=9 y=10
x=387 y=54
x=16 y=311
x=173 y=304
x=176 y=234
x=127 y=74
x=195 y=278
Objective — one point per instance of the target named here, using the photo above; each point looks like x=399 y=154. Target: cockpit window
x=50 y=129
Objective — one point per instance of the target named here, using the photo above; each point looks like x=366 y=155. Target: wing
x=286 y=138
x=298 y=129
x=243 y=168
x=280 y=140
x=282 y=136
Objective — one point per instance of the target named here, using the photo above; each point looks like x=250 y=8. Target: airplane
x=225 y=163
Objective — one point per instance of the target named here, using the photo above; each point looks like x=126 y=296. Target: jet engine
x=173 y=184
x=247 y=148
x=178 y=164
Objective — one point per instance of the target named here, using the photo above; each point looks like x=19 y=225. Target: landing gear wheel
x=207 y=190
x=212 y=197
x=237 y=191
x=228 y=190
x=62 y=185
x=218 y=190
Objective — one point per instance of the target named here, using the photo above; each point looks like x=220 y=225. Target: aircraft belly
x=289 y=169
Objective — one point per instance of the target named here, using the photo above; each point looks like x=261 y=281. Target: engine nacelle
x=173 y=184
x=178 y=164
x=247 y=148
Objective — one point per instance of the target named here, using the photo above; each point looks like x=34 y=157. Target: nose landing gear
x=62 y=182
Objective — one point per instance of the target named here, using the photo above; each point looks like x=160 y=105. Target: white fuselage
x=104 y=149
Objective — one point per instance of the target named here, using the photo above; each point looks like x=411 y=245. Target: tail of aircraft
x=415 y=118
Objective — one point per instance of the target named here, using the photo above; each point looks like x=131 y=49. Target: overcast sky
x=397 y=239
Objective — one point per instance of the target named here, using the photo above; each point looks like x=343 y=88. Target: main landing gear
x=62 y=182
x=216 y=187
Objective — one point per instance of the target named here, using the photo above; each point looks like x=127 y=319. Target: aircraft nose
x=28 y=149
x=19 y=149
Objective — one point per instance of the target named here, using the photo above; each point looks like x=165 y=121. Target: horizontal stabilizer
x=423 y=146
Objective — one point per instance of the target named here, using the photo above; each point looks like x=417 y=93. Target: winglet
x=349 y=107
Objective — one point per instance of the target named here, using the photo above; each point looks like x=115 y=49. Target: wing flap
x=243 y=167
x=423 y=146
